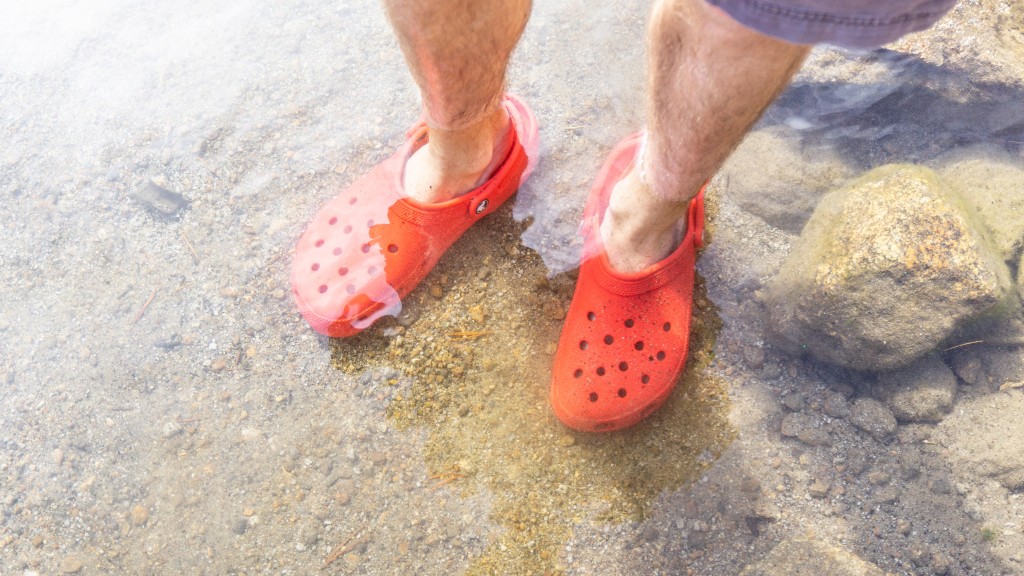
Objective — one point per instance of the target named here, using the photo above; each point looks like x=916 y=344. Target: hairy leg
x=709 y=81
x=458 y=51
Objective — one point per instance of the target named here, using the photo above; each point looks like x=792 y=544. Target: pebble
x=793 y=401
x=58 y=456
x=171 y=428
x=218 y=364
x=835 y=404
x=566 y=441
x=139 y=515
x=754 y=356
x=819 y=488
x=239 y=526
x=879 y=478
x=814 y=437
x=436 y=291
x=477 y=313
x=71 y=565
x=37 y=541
x=796 y=422
x=873 y=417
x=554 y=310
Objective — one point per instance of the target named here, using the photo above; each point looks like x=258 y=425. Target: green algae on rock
x=885 y=269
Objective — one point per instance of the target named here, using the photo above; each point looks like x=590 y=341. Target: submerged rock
x=782 y=192
x=922 y=391
x=984 y=437
x=885 y=269
x=991 y=183
x=809 y=557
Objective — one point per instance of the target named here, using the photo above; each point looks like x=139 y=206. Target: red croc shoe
x=372 y=244
x=625 y=337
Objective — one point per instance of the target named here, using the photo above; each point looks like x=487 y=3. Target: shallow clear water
x=164 y=409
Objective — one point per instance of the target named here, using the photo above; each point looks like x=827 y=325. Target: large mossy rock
x=885 y=269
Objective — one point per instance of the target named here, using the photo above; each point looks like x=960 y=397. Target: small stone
x=218 y=364
x=239 y=526
x=249 y=512
x=477 y=313
x=921 y=392
x=835 y=404
x=903 y=526
x=171 y=428
x=37 y=541
x=436 y=291
x=814 y=437
x=229 y=292
x=968 y=367
x=342 y=498
x=139 y=515
x=793 y=401
x=819 y=488
x=649 y=534
x=566 y=441
x=873 y=417
x=879 y=478
x=71 y=565
x=58 y=457
x=794 y=422
x=553 y=309
x=754 y=356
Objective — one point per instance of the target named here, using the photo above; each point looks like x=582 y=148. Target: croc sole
x=625 y=338
x=372 y=244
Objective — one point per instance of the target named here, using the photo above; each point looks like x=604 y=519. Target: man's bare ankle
x=454 y=162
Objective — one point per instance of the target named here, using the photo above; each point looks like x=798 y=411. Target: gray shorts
x=849 y=23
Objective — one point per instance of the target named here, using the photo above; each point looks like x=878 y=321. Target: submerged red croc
x=624 y=342
x=372 y=244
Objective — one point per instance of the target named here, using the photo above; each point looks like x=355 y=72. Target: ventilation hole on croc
x=600 y=370
x=333 y=220
x=371 y=270
x=392 y=248
x=352 y=200
x=351 y=288
x=337 y=251
x=319 y=243
x=623 y=366
x=645 y=379
x=342 y=271
x=639 y=345
x=629 y=323
x=577 y=373
x=314 y=267
x=593 y=396
x=661 y=355
x=583 y=344
x=323 y=288
x=369 y=223
x=608 y=339
x=651 y=358
x=667 y=326
x=365 y=248
x=622 y=392
x=591 y=316
x=347 y=229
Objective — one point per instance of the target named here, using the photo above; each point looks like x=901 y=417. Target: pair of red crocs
x=624 y=342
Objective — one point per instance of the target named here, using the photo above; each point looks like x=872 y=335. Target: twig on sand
x=453 y=473
x=184 y=236
x=971 y=343
x=467 y=334
x=146 y=305
x=345 y=547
